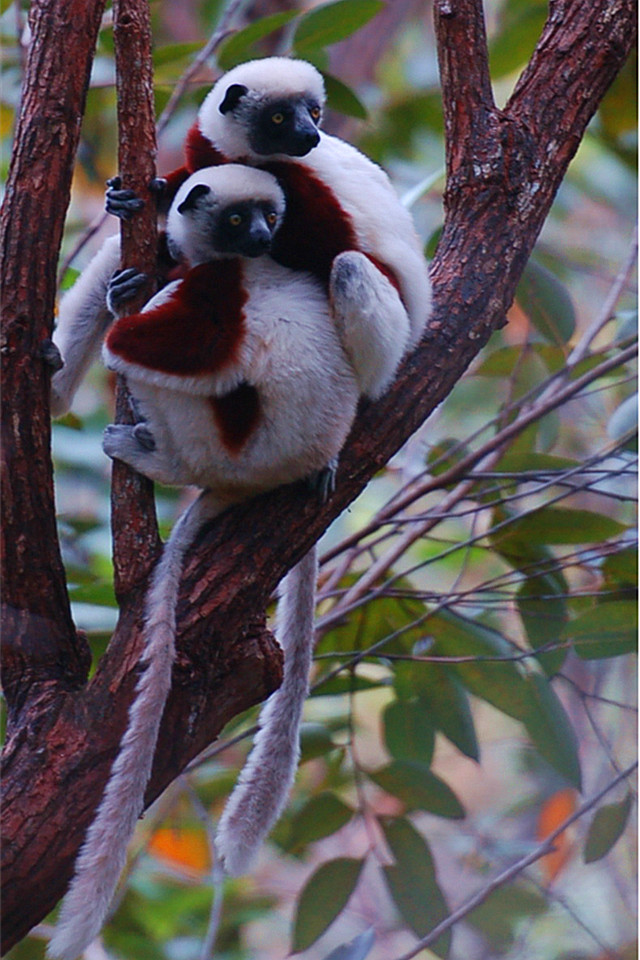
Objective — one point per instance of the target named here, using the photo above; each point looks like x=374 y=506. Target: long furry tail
x=264 y=784
x=103 y=854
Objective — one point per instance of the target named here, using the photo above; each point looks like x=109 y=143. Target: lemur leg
x=137 y=447
x=371 y=320
x=83 y=317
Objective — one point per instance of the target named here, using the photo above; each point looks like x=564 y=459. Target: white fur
x=264 y=784
x=293 y=355
x=272 y=77
x=188 y=237
x=383 y=227
x=104 y=851
x=83 y=318
x=308 y=393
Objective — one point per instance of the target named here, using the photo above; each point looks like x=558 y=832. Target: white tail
x=264 y=784
x=104 y=851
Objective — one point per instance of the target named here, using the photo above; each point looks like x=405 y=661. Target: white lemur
x=266 y=113
x=244 y=379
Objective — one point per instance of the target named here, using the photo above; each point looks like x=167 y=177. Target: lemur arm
x=83 y=317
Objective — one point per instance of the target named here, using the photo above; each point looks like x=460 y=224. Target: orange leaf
x=185 y=850
x=553 y=812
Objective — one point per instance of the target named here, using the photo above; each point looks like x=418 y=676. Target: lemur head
x=226 y=211
x=265 y=108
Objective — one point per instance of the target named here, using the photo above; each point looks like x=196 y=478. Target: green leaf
x=606 y=829
x=341 y=685
x=320 y=817
x=418 y=788
x=500 y=683
x=445 y=701
x=412 y=882
x=332 y=22
x=559 y=525
x=624 y=422
x=622 y=568
x=540 y=360
x=499 y=917
x=342 y=98
x=534 y=462
x=172 y=52
x=315 y=741
x=547 y=303
x=521 y=21
x=607 y=630
x=408 y=732
x=381 y=618
x=550 y=729
x=323 y=897
x=444 y=455
x=240 y=46
x=356 y=949
x=543 y=610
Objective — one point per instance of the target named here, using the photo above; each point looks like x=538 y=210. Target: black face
x=245 y=229
x=286 y=126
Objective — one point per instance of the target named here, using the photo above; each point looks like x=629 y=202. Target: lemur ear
x=191 y=200
x=232 y=97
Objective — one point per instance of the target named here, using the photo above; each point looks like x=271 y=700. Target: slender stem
x=516 y=868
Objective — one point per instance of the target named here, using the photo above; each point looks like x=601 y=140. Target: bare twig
x=515 y=869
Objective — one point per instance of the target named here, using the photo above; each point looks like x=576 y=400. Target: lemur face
x=287 y=125
x=244 y=229
x=226 y=211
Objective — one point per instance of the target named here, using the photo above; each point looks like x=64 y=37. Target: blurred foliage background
x=475 y=678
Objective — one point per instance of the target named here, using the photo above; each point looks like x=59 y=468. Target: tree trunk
x=504 y=168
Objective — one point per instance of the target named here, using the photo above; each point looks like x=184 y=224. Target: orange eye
x=277 y=118
x=272 y=217
x=315 y=113
x=235 y=219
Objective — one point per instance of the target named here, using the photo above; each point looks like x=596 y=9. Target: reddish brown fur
x=315 y=228
x=197 y=331
x=236 y=416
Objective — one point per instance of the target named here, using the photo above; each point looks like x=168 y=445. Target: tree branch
x=40 y=641
x=134 y=528
x=500 y=188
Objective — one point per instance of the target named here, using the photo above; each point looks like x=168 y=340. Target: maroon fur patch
x=387 y=271
x=197 y=331
x=236 y=415
x=199 y=153
x=315 y=228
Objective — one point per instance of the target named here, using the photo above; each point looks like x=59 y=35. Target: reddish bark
x=504 y=168
x=133 y=519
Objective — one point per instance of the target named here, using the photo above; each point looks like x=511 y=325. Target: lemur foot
x=144 y=436
x=121 y=203
x=123 y=286
x=51 y=355
x=130 y=444
x=323 y=482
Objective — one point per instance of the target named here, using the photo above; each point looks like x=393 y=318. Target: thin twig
x=515 y=869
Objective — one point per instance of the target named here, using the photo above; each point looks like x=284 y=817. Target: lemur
x=242 y=381
x=266 y=113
